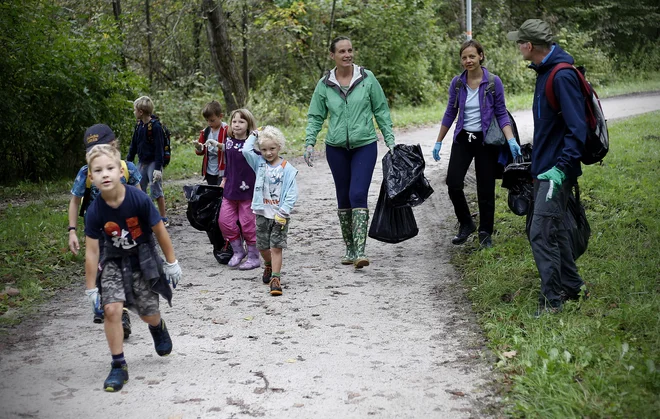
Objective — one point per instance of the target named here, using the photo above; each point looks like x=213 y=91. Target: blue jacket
x=559 y=137
x=289 y=192
x=490 y=107
x=147 y=151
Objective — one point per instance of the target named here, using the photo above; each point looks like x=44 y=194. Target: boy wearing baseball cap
x=84 y=191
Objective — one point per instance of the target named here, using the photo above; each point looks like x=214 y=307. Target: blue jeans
x=147 y=171
x=352 y=171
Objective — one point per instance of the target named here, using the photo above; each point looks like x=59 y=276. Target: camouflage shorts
x=112 y=290
x=271 y=235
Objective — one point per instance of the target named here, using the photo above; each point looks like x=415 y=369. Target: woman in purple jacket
x=475 y=106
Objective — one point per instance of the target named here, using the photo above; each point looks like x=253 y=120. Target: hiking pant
x=232 y=211
x=352 y=171
x=463 y=150
x=551 y=245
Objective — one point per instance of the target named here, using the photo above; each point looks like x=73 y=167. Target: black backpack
x=167 y=150
x=597 y=143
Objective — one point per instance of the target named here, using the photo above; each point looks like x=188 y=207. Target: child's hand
x=95 y=299
x=157 y=176
x=222 y=182
x=199 y=146
x=172 y=272
x=74 y=245
x=280 y=219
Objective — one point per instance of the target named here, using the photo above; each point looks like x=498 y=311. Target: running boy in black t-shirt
x=133 y=272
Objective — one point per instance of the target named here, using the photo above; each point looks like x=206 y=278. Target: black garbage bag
x=203 y=204
x=390 y=224
x=517 y=178
x=403 y=173
x=575 y=221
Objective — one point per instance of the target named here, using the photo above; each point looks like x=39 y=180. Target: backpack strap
x=491 y=84
x=283 y=164
x=207 y=132
x=457 y=87
x=549 y=91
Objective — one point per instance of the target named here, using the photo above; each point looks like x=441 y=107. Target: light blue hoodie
x=289 y=192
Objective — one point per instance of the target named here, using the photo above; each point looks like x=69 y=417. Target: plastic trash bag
x=203 y=204
x=390 y=224
x=403 y=174
x=517 y=178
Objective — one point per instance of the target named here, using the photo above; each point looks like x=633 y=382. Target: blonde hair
x=144 y=104
x=103 y=150
x=270 y=133
x=245 y=114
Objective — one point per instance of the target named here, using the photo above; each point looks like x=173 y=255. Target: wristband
x=71 y=228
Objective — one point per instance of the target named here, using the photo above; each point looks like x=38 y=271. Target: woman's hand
x=436 y=150
x=514 y=147
x=309 y=156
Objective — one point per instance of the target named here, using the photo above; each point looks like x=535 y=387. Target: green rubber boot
x=360 y=224
x=345 y=219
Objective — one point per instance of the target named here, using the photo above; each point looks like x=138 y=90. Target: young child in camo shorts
x=275 y=193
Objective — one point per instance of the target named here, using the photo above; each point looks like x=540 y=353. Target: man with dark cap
x=559 y=137
x=83 y=191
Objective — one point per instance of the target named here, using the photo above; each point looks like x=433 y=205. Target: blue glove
x=556 y=178
x=95 y=299
x=309 y=155
x=436 y=150
x=515 y=148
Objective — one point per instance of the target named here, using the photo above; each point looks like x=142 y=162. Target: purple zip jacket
x=489 y=105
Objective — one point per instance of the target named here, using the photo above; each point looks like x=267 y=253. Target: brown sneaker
x=275 y=288
x=268 y=271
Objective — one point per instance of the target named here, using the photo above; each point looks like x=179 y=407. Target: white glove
x=95 y=299
x=214 y=143
x=172 y=272
x=157 y=176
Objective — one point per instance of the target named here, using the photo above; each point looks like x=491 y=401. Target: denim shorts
x=112 y=290
x=147 y=173
x=271 y=235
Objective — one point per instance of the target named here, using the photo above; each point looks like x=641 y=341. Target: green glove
x=556 y=178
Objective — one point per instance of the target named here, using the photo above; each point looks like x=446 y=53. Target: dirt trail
x=395 y=340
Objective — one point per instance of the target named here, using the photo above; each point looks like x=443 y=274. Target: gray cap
x=535 y=31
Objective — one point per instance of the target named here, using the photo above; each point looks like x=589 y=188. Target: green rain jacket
x=351 y=113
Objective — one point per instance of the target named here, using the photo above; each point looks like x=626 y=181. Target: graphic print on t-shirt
x=122 y=238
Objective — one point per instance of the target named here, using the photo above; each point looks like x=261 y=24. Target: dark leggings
x=352 y=171
x=485 y=164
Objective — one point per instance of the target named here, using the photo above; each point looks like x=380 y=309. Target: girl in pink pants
x=238 y=183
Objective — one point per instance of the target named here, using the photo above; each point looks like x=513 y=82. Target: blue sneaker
x=162 y=340
x=117 y=378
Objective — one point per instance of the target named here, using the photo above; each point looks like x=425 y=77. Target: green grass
x=598 y=358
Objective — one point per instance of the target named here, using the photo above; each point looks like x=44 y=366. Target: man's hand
x=95 y=299
x=436 y=150
x=309 y=155
x=556 y=178
x=391 y=148
x=157 y=176
x=514 y=147
x=172 y=272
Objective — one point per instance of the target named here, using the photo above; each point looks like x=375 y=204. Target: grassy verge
x=598 y=358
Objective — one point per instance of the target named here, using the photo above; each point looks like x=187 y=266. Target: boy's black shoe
x=98 y=318
x=275 y=287
x=117 y=378
x=485 y=241
x=268 y=271
x=126 y=323
x=464 y=232
x=162 y=340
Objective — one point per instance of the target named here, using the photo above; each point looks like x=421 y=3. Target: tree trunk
x=116 y=11
x=151 y=66
x=233 y=88
x=462 y=18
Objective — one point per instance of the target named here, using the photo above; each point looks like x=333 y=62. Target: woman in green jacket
x=352 y=97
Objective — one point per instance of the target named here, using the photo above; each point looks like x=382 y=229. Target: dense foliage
x=67 y=64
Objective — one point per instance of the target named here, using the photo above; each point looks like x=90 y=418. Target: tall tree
x=222 y=55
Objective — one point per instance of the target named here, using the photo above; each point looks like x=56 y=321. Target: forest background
x=67 y=64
